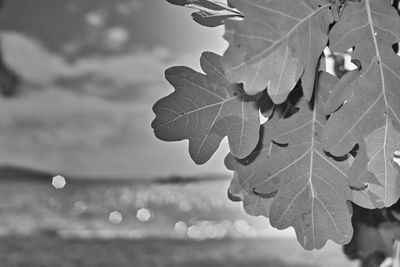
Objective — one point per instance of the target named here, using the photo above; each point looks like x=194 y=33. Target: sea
x=131 y=209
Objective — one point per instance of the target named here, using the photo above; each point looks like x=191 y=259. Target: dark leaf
x=211 y=13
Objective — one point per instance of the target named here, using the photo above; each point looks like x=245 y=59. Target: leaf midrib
x=378 y=55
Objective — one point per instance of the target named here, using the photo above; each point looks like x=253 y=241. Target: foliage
x=327 y=141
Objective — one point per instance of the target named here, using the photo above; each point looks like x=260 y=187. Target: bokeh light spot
x=58 y=182
x=143 y=215
x=180 y=228
x=194 y=232
x=115 y=217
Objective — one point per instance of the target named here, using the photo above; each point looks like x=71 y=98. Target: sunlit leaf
x=326 y=144
x=370 y=111
x=341 y=92
x=299 y=185
x=277 y=43
x=206 y=108
x=245 y=169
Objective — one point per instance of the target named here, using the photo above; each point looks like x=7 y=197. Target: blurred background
x=78 y=79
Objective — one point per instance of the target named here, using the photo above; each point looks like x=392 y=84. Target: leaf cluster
x=326 y=141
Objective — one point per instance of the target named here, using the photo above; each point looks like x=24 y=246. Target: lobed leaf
x=210 y=13
x=246 y=169
x=206 y=108
x=341 y=92
x=277 y=43
x=374 y=173
x=298 y=168
x=299 y=185
x=370 y=111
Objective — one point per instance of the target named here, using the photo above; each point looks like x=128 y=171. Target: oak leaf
x=206 y=108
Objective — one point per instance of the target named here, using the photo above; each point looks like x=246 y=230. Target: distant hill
x=14 y=173
x=177 y=179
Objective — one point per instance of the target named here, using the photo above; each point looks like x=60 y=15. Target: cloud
x=56 y=129
x=80 y=135
x=138 y=67
x=35 y=64
x=59 y=118
x=128 y=76
x=71 y=125
x=30 y=59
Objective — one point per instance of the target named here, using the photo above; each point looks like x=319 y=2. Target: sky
x=91 y=72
